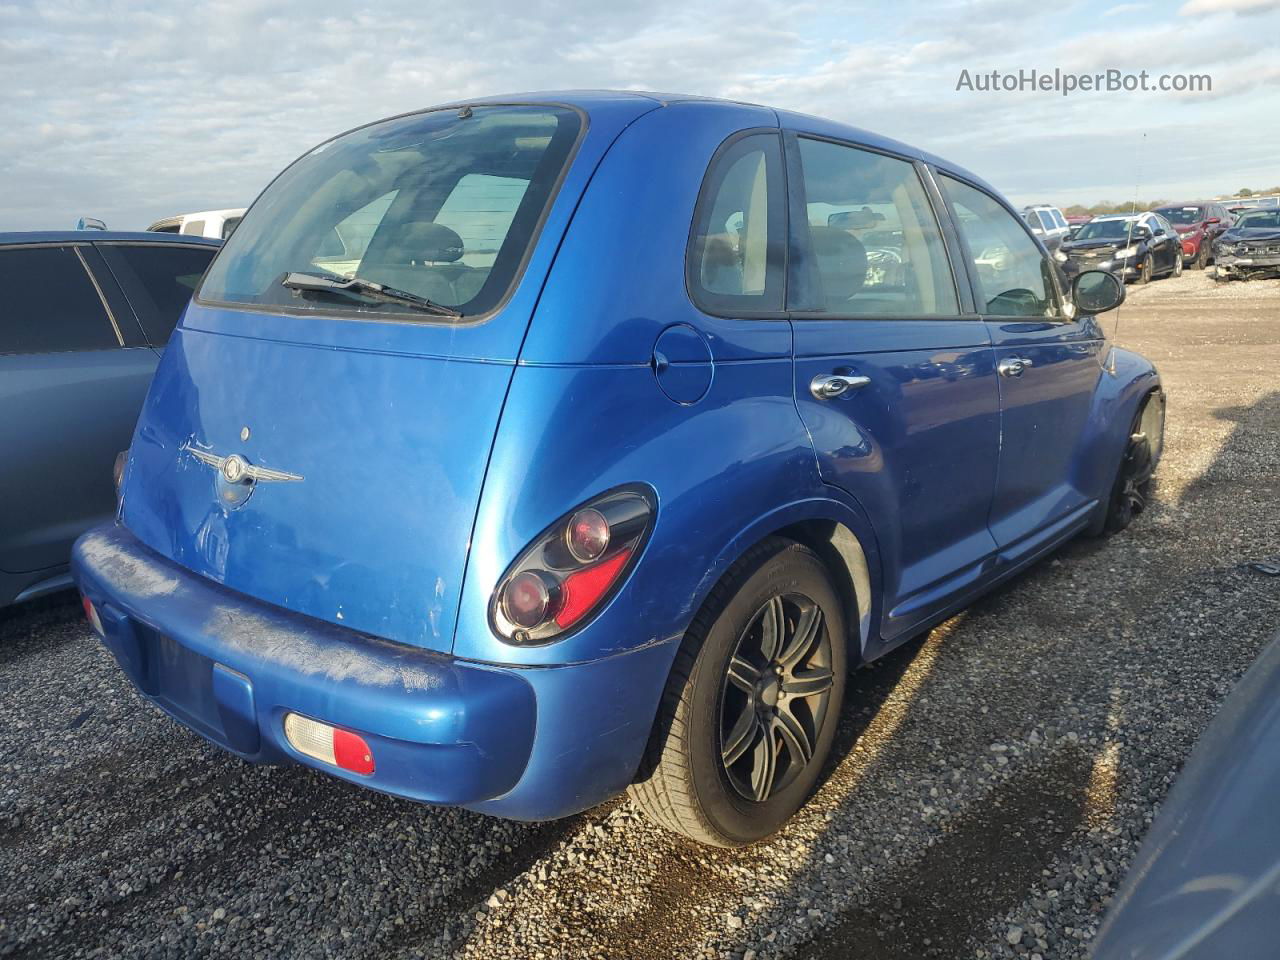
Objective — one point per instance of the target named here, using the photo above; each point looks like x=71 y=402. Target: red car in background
x=1198 y=224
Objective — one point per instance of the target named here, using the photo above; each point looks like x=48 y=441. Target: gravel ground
x=992 y=779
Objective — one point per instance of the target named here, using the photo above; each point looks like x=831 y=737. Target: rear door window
x=158 y=279
x=736 y=254
x=876 y=249
x=50 y=303
x=444 y=205
x=1013 y=278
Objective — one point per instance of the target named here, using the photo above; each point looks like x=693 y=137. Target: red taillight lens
x=328 y=744
x=582 y=589
x=91 y=614
x=572 y=568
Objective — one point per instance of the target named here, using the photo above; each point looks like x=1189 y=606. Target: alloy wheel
x=776 y=693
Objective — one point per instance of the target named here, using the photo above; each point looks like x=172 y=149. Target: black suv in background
x=1134 y=247
x=85 y=317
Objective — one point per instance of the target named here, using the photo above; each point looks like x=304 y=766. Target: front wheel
x=1146 y=270
x=1177 y=264
x=752 y=704
x=1131 y=489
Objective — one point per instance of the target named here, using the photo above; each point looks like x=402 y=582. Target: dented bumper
x=1247 y=266
x=229 y=667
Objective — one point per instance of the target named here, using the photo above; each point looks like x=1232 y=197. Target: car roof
x=1189 y=203
x=589 y=100
x=99 y=236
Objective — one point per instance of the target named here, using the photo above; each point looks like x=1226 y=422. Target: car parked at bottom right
x=1137 y=247
x=1250 y=250
x=1206 y=880
x=1198 y=226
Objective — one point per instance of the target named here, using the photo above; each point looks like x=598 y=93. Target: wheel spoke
x=773 y=627
x=809 y=683
x=808 y=630
x=743 y=674
x=764 y=764
x=794 y=738
x=745 y=731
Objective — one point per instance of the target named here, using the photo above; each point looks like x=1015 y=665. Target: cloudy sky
x=131 y=111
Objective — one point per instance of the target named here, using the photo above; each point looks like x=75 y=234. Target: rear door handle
x=831 y=385
x=1014 y=366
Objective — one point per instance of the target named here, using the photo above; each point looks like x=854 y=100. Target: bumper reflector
x=91 y=613
x=341 y=748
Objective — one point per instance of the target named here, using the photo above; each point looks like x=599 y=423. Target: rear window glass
x=158 y=280
x=50 y=304
x=442 y=205
x=193 y=228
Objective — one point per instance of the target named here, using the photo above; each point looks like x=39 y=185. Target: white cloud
x=1200 y=7
x=1122 y=9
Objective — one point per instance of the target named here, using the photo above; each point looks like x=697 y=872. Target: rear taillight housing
x=328 y=744
x=91 y=614
x=572 y=569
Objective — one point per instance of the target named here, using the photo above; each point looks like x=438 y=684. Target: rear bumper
x=527 y=743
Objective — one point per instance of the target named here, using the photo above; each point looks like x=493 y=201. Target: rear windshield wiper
x=365 y=289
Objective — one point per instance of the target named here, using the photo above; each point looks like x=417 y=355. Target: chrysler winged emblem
x=234 y=468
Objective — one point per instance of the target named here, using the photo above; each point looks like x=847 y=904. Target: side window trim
x=799 y=254
x=124 y=320
x=127 y=305
x=969 y=258
x=707 y=192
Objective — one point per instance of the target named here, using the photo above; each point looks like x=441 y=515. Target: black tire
x=1131 y=490
x=1177 y=264
x=1147 y=269
x=684 y=782
x=1202 y=257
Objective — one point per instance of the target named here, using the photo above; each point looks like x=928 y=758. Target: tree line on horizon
x=1129 y=206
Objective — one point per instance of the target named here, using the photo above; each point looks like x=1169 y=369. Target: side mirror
x=1142 y=233
x=90 y=223
x=1212 y=220
x=1096 y=291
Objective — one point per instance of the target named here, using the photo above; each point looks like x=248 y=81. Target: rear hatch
x=319 y=442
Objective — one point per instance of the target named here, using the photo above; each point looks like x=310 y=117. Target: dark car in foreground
x=629 y=425
x=1250 y=250
x=1198 y=226
x=1134 y=247
x=85 y=315
x=1206 y=882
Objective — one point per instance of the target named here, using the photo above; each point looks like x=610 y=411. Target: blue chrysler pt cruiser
x=516 y=453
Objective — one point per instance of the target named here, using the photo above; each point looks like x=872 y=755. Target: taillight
x=572 y=568
x=328 y=744
x=91 y=614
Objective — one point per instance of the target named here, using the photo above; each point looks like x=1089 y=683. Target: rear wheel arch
x=846 y=549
